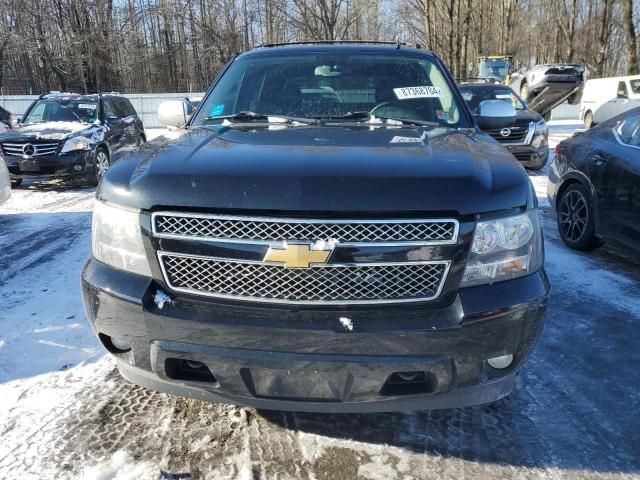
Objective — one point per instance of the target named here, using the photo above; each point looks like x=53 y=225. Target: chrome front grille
x=515 y=135
x=39 y=149
x=266 y=230
x=323 y=284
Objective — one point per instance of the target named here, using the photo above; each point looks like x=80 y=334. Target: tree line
x=180 y=45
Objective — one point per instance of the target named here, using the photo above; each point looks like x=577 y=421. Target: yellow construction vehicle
x=495 y=67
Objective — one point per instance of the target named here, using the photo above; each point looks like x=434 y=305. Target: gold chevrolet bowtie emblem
x=297 y=256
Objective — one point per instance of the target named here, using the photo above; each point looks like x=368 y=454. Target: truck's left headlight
x=117 y=238
x=504 y=248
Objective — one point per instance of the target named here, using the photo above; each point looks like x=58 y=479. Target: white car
x=5 y=182
x=604 y=98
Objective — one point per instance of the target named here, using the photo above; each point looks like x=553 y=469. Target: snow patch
x=540 y=187
x=328 y=244
x=122 y=466
x=53 y=130
x=347 y=323
x=161 y=299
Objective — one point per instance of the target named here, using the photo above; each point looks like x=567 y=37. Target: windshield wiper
x=407 y=121
x=247 y=116
x=365 y=116
x=350 y=116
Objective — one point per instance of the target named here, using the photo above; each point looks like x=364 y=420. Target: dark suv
x=65 y=135
x=330 y=232
x=527 y=138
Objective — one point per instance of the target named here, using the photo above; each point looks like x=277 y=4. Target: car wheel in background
x=16 y=182
x=588 y=119
x=101 y=166
x=575 y=218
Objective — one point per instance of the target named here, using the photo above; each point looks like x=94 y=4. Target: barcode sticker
x=405 y=93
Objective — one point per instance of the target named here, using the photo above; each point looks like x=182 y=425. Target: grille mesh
x=39 y=149
x=517 y=134
x=265 y=230
x=326 y=284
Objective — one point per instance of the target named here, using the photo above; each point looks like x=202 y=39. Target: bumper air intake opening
x=188 y=370
x=409 y=383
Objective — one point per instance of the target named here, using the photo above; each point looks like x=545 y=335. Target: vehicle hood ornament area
x=299 y=255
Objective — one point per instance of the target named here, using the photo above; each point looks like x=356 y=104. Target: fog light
x=120 y=343
x=501 y=362
x=193 y=364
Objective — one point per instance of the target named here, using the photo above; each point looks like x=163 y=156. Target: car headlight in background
x=117 y=238
x=503 y=249
x=76 y=143
x=541 y=127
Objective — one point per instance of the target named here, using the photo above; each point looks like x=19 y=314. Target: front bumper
x=530 y=156
x=79 y=163
x=294 y=358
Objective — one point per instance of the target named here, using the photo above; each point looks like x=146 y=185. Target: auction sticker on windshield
x=417 y=92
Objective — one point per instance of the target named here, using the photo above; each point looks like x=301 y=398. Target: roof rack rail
x=328 y=42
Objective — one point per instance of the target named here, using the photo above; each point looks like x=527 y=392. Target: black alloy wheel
x=575 y=218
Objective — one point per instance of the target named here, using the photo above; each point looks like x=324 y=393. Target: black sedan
x=594 y=184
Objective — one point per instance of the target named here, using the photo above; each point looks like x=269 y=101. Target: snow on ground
x=66 y=413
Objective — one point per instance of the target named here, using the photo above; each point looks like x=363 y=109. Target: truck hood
x=320 y=169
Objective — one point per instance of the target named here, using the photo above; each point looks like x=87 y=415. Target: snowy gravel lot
x=66 y=413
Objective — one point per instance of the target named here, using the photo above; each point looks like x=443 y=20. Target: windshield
x=334 y=85
x=635 y=86
x=63 y=110
x=497 y=68
x=474 y=96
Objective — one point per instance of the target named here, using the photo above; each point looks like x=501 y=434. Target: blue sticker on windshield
x=217 y=109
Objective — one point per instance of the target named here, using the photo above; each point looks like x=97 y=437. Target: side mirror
x=622 y=94
x=496 y=114
x=174 y=113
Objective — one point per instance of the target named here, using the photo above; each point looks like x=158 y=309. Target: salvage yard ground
x=66 y=413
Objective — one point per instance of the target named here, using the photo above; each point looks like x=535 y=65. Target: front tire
x=575 y=218
x=524 y=92
x=15 y=183
x=102 y=164
x=588 y=119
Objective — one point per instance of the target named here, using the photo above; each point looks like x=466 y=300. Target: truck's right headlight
x=504 y=248
x=117 y=238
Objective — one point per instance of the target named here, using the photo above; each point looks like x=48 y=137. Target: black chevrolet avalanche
x=329 y=232
x=66 y=135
